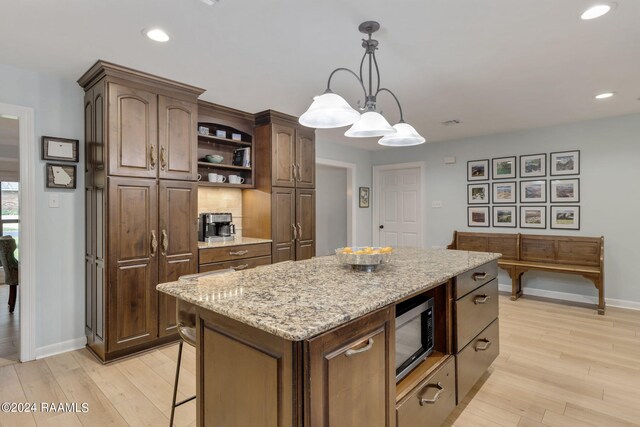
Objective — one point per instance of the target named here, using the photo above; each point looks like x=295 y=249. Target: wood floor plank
x=11 y=391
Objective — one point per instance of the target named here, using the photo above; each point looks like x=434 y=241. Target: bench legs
x=516 y=283
x=598 y=282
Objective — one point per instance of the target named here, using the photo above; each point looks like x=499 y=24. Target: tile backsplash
x=222 y=200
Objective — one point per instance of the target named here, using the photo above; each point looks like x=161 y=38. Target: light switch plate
x=436 y=204
x=54 y=200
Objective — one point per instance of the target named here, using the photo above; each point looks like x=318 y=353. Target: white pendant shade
x=329 y=111
x=370 y=124
x=405 y=136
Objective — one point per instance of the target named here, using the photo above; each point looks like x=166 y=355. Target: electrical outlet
x=54 y=200
x=436 y=204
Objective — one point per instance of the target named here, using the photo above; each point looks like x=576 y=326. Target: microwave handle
x=435 y=398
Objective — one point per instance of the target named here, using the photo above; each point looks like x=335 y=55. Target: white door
x=399 y=208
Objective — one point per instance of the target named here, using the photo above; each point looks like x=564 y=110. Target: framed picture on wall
x=533 y=165
x=478 y=170
x=565 y=217
x=364 y=197
x=533 y=217
x=565 y=190
x=504 y=168
x=565 y=163
x=504 y=192
x=478 y=216
x=504 y=216
x=61 y=176
x=61 y=149
x=534 y=191
x=478 y=194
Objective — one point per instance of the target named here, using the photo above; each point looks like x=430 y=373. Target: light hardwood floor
x=559 y=365
x=9 y=331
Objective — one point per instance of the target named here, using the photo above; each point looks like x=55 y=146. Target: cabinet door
x=305 y=224
x=177 y=123
x=283 y=149
x=352 y=374
x=305 y=158
x=178 y=243
x=133 y=132
x=133 y=269
x=283 y=226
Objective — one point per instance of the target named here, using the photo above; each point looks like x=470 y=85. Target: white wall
x=362 y=158
x=609 y=177
x=59 y=285
x=331 y=209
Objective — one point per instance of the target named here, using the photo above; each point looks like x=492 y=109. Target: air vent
x=451 y=122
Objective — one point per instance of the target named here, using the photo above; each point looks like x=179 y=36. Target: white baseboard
x=565 y=296
x=61 y=347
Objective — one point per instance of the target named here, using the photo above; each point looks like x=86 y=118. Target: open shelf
x=419 y=373
x=223 y=184
x=222 y=166
x=227 y=141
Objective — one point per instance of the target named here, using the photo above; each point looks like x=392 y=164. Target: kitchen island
x=313 y=343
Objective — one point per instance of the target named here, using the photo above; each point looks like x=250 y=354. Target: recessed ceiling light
x=209 y=2
x=597 y=11
x=156 y=34
x=605 y=95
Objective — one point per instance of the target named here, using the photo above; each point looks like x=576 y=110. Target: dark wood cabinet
x=305 y=224
x=305 y=158
x=284 y=230
x=352 y=374
x=140 y=227
x=283 y=152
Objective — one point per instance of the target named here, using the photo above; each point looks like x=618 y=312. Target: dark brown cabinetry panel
x=305 y=224
x=305 y=158
x=283 y=227
x=352 y=374
x=283 y=156
x=133 y=132
x=133 y=250
x=178 y=246
x=177 y=123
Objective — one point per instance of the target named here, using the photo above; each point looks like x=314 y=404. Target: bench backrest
x=585 y=251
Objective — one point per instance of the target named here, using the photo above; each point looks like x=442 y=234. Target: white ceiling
x=496 y=65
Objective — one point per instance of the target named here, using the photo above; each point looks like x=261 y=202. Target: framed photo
x=534 y=191
x=565 y=163
x=504 y=192
x=364 y=197
x=533 y=217
x=60 y=149
x=478 y=170
x=478 y=216
x=565 y=190
x=565 y=217
x=533 y=165
x=504 y=168
x=504 y=216
x=61 y=176
x=478 y=194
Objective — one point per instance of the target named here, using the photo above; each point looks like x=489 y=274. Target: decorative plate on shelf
x=364 y=258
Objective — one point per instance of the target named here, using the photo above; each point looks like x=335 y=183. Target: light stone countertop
x=299 y=300
x=239 y=241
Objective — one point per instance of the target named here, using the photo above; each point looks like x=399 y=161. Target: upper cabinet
x=305 y=158
x=177 y=153
x=283 y=140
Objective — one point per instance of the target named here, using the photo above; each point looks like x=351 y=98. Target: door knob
x=381 y=227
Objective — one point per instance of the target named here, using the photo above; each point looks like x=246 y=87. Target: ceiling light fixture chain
x=330 y=110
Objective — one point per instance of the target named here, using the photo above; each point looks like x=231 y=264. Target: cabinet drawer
x=229 y=253
x=241 y=264
x=474 y=312
x=476 y=357
x=441 y=387
x=466 y=282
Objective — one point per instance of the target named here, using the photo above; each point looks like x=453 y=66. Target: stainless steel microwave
x=414 y=334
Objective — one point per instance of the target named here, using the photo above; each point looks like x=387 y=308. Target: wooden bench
x=583 y=256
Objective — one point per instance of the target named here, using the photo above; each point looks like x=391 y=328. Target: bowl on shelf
x=213 y=158
x=364 y=258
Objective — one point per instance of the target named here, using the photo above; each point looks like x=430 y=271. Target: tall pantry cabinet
x=282 y=207
x=141 y=205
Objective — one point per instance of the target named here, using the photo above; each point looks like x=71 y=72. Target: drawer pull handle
x=481 y=299
x=479 y=276
x=239 y=267
x=424 y=401
x=351 y=352
x=238 y=253
x=486 y=345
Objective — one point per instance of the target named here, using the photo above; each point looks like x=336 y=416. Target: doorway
x=335 y=206
x=398 y=215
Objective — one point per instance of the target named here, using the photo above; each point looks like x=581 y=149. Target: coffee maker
x=216 y=227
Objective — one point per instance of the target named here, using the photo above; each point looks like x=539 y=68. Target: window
x=9 y=219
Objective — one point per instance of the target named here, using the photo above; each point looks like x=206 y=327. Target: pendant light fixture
x=330 y=110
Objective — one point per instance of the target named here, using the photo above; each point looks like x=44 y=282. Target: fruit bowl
x=364 y=258
x=213 y=158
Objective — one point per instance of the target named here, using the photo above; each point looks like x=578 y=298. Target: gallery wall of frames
x=536 y=191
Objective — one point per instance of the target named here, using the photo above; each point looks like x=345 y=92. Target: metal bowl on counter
x=365 y=259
